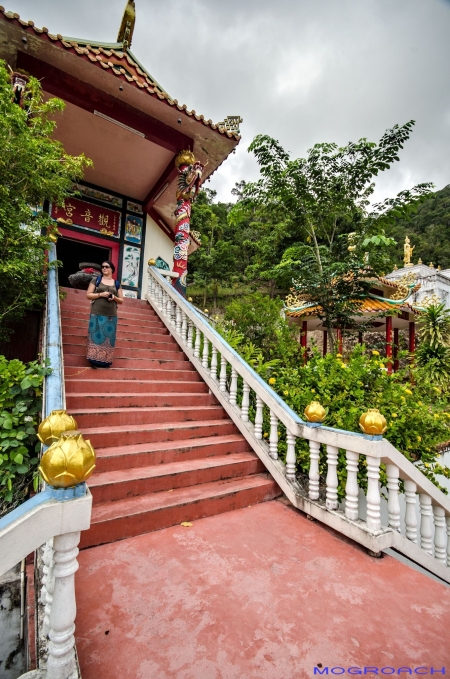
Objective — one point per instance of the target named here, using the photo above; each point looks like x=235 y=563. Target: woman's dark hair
x=113 y=268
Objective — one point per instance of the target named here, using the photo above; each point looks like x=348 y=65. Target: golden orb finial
x=152 y=262
x=314 y=412
x=54 y=425
x=373 y=422
x=68 y=462
x=185 y=157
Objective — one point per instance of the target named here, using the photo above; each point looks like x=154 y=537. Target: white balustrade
x=440 y=537
x=233 y=386
x=259 y=417
x=373 y=494
x=351 y=487
x=332 y=478
x=205 y=355
x=48 y=585
x=434 y=541
x=223 y=374
x=410 y=512
x=426 y=523
x=273 y=436
x=314 y=454
x=245 y=401
x=392 y=472
x=290 y=456
x=213 y=372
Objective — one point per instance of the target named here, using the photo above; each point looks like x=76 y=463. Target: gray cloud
x=303 y=72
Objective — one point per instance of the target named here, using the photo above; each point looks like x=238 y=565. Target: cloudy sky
x=302 y=71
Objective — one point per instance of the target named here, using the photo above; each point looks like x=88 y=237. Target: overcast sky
x=302 y=71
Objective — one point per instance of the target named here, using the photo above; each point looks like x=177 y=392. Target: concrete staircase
x=166 y=451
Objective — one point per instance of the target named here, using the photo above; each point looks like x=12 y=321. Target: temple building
x=150 y=153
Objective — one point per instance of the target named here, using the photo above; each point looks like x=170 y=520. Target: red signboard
x=88 y=216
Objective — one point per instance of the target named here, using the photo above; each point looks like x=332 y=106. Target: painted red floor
x=257 y=593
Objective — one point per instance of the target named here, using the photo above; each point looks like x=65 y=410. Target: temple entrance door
x=73 y=248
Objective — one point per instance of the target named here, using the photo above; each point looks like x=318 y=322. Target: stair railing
x=422 y=533
x=51 y=520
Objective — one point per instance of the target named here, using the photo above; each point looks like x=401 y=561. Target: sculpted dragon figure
x=189 y=177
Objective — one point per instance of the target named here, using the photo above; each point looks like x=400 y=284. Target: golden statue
x=408 y=250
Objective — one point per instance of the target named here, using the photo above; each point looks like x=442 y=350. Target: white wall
x=157 y=244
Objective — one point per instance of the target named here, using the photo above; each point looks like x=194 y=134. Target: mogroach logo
x=378 y=670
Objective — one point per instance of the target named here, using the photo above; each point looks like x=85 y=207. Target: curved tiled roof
x=367 y=306
x=119 y=62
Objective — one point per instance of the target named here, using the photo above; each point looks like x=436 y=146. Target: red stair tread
x=172 y=426
x=167 y=445
x=170 y=469
x=181 y=496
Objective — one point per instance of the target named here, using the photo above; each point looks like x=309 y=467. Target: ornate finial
x=439 y=268
x=231 y=123
x=151 y=262
x=395 y=267
x=185 y=157
x=373 y=422
x=431 y=265
x=68 y=462
x=315 y=412
x=54 y=426
x=420 y=261
x=127 y=26
x=407 y=251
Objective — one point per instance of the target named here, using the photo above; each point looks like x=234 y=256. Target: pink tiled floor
x=257 y=593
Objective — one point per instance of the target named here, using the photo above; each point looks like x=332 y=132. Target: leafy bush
x=433 y=354
x=20 y=409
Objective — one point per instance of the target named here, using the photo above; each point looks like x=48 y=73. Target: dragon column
x=189 y=177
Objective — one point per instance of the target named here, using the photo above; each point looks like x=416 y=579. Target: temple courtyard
x=256 y=593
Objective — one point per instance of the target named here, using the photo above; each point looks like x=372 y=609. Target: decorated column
x=189 y=177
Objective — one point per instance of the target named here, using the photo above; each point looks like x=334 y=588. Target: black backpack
x=99 y=280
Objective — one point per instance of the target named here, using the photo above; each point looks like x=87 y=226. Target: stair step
x=116 y=435
x=150 y=399
x=87 y=418
x=136 y=386
x=76 y=335
x=83 y=311
x=80 y=361
x=171 y=353
x=160 y=370
x=165 y=452
x=113 y=521
x=118 y=485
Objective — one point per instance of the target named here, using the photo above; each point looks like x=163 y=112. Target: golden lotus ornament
x=185 y=157
x=315 y=412
x=68 y=462
x=54 y=425
x=151 y=262
x=373 y=422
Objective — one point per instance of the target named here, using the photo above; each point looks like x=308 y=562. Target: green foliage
x=20 y=409
x=433 y=354
x=33 y=168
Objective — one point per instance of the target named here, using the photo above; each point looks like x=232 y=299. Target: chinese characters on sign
x=87 y=216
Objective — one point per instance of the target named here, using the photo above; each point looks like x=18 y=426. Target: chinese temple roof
x=117 y=59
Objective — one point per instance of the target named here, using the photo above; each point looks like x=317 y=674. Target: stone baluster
x=61 y=653
x=393 y=499
x=223 y=374
x=197 y=343
x=150 y=288
x=273 y=436
x=172 y=312
x=214 y=363
x=205 y=355
x=314 y=453
x=245 y=401
x=373 y=494
x=447 y=521
x=410 y=512
x=233 y=386
x=184 y=328
x=426 y=528
x=258 y=417
x=332 y=478
x=351 y=487
x=48 y=585
x=158 y=294
x=178 y=319
x=163 y=302
x=190 y=335
x=290 y=456
x=440 y=537
x=160 y=297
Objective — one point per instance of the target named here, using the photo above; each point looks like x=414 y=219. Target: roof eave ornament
x=127 y=26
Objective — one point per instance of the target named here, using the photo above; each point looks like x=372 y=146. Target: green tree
x=33 y=168
x=433 y=354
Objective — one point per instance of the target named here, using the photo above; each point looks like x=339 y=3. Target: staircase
x=166 y=451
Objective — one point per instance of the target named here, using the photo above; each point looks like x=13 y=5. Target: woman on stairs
x=105 y=294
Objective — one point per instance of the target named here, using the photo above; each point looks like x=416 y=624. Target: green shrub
x=20 y=409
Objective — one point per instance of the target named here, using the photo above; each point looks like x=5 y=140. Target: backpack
x=99 y=280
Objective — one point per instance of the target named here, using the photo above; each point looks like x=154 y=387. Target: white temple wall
x=157 y=244
x=432 y=281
